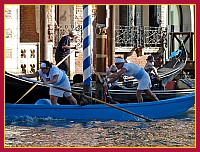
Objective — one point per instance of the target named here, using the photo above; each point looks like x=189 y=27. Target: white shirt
x=53 y=71
x=131 y=69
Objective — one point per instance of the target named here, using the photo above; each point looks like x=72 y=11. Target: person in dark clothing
x=63 y=49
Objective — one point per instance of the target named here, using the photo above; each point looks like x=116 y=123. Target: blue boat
x=150 y=110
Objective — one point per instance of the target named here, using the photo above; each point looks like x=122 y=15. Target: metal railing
x=59 y=32
x=137 y=36
x=125 y=36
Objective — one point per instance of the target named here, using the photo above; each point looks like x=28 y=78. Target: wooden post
x=44 y=53
x=111 y=36
x=100 y=48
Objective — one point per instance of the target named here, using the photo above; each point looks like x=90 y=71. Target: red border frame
x=89 y=2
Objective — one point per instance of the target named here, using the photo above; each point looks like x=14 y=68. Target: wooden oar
x=97 y=100
x=100 y=101
x=104 y=82
x=37 y=83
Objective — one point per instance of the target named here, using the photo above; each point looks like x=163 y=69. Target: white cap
x=44 y=65
x=73 y=33
x=119 y=60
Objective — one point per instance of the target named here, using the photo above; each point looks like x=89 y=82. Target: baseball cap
x=119 y=60
x=150 y=58
x=73 y=33
x=45 y=64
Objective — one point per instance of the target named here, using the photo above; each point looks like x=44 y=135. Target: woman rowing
x=51 y=74
x=131 y=69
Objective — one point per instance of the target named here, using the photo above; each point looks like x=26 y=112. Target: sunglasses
x=43 y=68
x=118 y=63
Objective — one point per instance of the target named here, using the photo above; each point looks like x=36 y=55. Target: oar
x=97 y=100
x=37 y=82
x=100 y=101
x=104 y=82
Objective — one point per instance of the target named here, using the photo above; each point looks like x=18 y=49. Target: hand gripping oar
x=97 y=100
x=105 y=88
x=37 y=82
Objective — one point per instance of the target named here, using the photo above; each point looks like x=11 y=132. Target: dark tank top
x=61 y=53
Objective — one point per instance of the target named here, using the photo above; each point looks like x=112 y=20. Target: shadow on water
x=28 y=121
x=187 y=116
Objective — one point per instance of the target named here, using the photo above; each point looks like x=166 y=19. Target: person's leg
x=53 y=99
x=71 y=99
x=143 y=84
x=139 y=95
x=65 y=63
x=151 y=95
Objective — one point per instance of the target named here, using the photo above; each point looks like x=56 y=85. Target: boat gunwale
x=129 y=89
x=126 y=91
x=102 y=106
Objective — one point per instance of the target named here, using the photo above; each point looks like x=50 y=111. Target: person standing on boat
x=51 y=74
x=131 y=69
x=149 y=67
x=63 y=49
x=152 y=71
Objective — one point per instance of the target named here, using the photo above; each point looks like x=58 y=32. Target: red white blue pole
x=87 y=59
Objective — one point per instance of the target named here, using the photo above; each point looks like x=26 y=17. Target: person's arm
x=54 y=80
x=68 y=47
x=66 y=44
x=116 y=75
x=156 y=73
x=33 y=75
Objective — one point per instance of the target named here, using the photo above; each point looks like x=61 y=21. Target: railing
x=136 y=36
x=59 y=32
x=125 y=36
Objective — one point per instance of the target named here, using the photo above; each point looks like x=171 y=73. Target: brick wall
x=141 y=61
x=79 y=21
x=79 y=63
x=28 y=24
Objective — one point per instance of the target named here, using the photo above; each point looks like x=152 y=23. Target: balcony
x=128 y=37
x=150 y=38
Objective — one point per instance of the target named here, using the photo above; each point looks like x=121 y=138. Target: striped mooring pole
x=87 y=59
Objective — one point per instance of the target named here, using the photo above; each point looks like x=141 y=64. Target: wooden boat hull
x=128 y=95
x=153 y=110
x=15 y=88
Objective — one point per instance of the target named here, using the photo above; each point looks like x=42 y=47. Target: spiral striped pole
x=87 y=59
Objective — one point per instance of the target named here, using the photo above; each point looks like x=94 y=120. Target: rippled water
x=178 y=131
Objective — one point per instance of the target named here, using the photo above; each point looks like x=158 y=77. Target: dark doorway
x=154 y=15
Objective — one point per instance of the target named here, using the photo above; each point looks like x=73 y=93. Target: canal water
x=178 y=131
